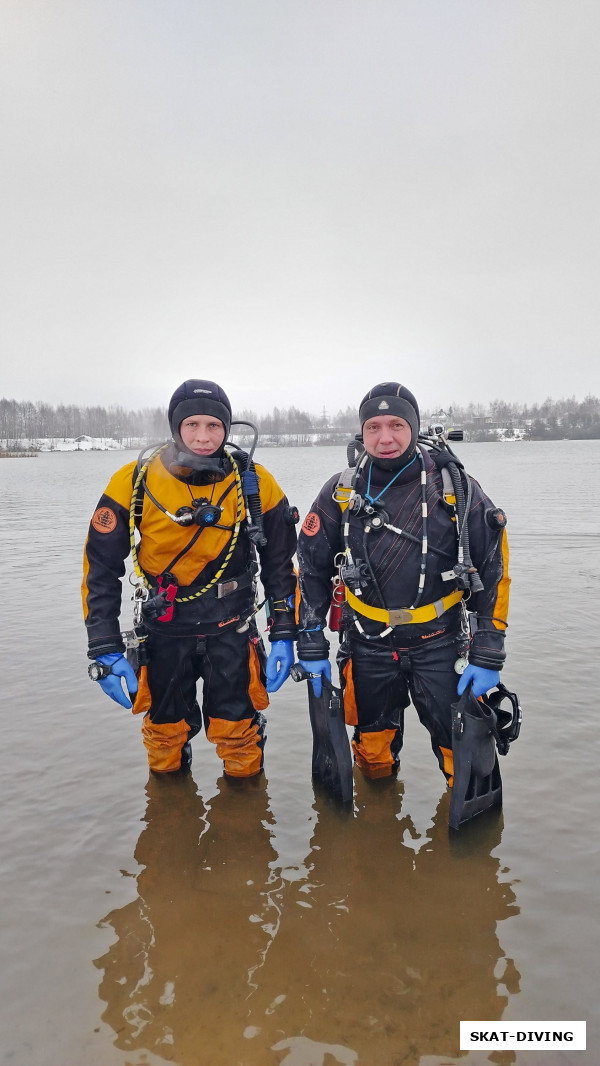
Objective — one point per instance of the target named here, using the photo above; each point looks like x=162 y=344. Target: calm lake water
x=204 y=924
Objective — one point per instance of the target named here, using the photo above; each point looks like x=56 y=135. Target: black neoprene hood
x=390 y=398
x=198 y=396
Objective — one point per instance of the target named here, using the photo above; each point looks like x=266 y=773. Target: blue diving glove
x=112 y=684
x=483 y=680
x=279 y=663
x=317 y=666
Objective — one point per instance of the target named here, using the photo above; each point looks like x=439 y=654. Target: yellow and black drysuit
x=415 y=657
x=208 y=578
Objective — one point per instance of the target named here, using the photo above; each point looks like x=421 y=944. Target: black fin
x=477 y=784
x=331 y=758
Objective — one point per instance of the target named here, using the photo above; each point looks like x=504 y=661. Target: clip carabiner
x=140 y=595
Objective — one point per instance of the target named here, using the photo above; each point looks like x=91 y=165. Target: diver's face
x=202 y=434
x=387 y=436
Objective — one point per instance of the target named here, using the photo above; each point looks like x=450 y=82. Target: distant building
x=440 y=418
x=484 y=422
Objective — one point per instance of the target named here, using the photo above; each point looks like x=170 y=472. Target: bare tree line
x=548 y=420
x=35 y=421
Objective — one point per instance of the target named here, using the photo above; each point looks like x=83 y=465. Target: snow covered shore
x=71 y=444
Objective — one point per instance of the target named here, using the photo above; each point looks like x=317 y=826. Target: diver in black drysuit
x=392 y=534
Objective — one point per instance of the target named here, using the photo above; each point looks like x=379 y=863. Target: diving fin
x=331 y=754
x=477 y=784
x=508 y=719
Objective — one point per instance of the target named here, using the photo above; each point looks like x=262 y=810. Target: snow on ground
x=69 y=444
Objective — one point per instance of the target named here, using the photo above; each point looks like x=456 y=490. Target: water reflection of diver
x=177 y=979
x=392 y=947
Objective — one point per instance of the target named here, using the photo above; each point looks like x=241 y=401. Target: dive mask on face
x=185 y=464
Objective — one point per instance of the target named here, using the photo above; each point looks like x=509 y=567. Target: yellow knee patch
x=448 y=764
x=373 y=753
x=237 y=745
x=256 y=690
x=350 y=711
x=143 y=699
x=163 y=742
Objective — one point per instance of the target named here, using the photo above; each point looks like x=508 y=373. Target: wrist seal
x=488 y=658
x=312 y=645
x=107 y=647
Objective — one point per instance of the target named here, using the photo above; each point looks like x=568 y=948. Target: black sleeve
x=277 y=558
x=319 y=542
x=488 y=608
x=106 y=548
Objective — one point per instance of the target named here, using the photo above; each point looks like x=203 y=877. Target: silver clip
x=140 y=595
x=131 y=638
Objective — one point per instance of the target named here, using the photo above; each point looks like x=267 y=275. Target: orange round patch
x=104 y=520
x=311 y=524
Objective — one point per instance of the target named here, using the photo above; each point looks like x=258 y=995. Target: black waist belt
x=220 y=589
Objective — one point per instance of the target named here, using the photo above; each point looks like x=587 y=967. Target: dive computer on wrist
x=98 y=671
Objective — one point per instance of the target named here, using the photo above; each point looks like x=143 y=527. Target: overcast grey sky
x=299 y=198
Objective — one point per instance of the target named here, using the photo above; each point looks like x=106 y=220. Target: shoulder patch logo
x=311 y=524
x=383 y=406
x=104 y=520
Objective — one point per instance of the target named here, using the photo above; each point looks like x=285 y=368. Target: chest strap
x=404 y=615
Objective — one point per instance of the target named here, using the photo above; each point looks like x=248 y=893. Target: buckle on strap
x=404 y=615
x=401 y=617
x=225 y=588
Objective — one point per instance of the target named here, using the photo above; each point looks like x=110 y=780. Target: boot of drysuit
x=231 y=666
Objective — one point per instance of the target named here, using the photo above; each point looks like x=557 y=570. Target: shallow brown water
x=199 y=922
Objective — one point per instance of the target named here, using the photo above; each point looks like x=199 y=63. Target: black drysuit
x=414 y=660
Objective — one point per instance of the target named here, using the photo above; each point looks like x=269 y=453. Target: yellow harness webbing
x=232 y=543
x=404 y=615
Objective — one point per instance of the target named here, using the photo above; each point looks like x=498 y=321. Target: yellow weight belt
x=404 y=615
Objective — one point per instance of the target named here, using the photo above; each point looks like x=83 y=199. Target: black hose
x=251 y=489
x=462 y=518
x=371 y=571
